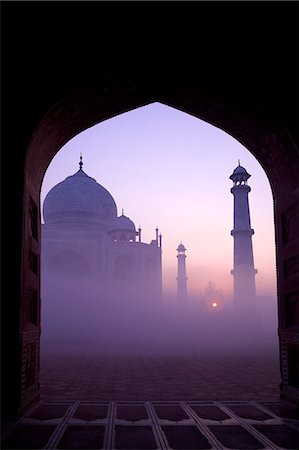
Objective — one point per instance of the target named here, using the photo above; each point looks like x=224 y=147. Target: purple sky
x=171 y=170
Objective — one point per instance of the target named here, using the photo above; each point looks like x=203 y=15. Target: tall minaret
x=181 y=278
x=244 y=271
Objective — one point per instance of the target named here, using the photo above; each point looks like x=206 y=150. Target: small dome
x=123 y=223
x=79 y=199
x=240 y=174
x=181 y=248
x=239 y=170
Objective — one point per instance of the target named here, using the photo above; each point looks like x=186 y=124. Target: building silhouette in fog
x=182 y=277
x=243 y=271
x=84 y=239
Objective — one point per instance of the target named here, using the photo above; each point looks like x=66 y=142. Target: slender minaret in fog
x=243 y=271
x=181 y=278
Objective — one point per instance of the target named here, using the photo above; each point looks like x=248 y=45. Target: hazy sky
x=171 y=170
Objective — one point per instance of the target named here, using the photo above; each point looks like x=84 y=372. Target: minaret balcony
x=240 y=188
x=241 y=270
x=248 y=232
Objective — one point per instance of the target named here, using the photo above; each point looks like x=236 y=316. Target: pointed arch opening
x=261 y=135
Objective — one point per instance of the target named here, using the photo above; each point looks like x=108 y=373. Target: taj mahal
x=84 y=239
x=93 y=258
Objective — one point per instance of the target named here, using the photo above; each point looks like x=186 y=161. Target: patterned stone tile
x=235 y=436
x=80 y=437
x=281 y=435
x=166 y=425
x=249 y=412
x=185 y=437
x=134 y=438
x=28 y=437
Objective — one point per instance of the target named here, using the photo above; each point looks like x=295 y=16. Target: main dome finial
x=80 y=163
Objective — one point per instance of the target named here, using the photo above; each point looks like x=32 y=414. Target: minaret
x=244 y=271
x=181 y=278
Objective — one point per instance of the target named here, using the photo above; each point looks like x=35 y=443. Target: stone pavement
x=165 y=402
x=184 y=425
x=157 y=377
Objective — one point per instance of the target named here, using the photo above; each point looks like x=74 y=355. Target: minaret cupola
x=240 y=175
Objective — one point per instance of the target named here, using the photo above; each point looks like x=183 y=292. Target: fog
x=78 y=318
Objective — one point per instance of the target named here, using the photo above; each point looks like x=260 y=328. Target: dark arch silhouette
x=237 y=101
x=259 y=132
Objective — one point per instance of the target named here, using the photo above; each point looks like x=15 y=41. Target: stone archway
x=235 y=114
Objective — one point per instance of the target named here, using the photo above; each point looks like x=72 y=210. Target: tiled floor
x=196 y=377
x=157 y=402
x=187 y=425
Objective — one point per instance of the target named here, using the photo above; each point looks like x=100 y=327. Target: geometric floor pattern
x=167 y=378
x=165 y=425
x=153 y=402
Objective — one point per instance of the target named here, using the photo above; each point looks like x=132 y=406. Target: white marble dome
x=123 y=223
x=79 y=199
